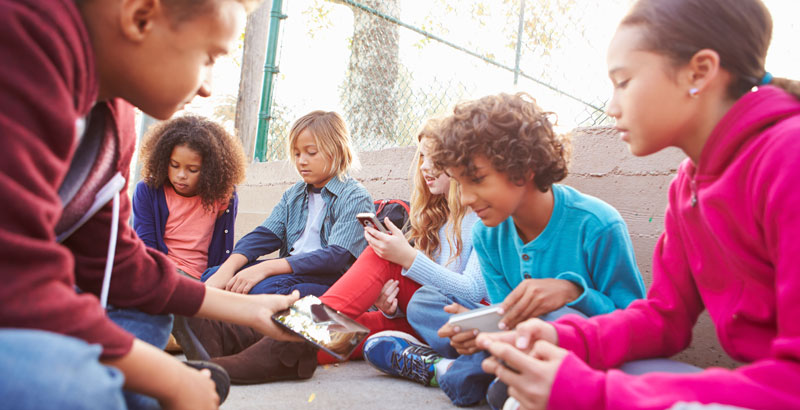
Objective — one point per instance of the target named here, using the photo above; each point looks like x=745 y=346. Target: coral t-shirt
x=188 y=232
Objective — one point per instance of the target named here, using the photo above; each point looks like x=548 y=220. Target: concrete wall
x=601 y=166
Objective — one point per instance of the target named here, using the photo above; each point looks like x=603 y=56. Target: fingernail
x=501 y=311
x=522 y=343
x=501 y=325
x=457 y=329
x=475 y=332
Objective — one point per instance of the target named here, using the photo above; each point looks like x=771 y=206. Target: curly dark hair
x=223 y=157
x=511 y=131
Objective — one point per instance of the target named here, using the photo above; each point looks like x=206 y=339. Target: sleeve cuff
x=187 y=297
x=569 y=338
x=421 y=264
x=580 y=281
x=397 y=314
x=576 y=376
x=296 y=263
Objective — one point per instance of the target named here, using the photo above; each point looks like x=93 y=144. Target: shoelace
x=415 y=362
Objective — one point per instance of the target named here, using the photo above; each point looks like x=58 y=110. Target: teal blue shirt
x=586 y=242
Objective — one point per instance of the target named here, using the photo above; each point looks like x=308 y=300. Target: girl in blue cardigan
x=185 y=205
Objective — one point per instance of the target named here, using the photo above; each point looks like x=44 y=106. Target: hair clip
x=766 y=79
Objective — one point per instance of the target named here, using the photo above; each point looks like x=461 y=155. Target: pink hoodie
x=731 y=245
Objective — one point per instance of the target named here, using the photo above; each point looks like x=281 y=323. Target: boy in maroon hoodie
x=67 y=139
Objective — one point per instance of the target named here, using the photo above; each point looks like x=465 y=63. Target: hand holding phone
x=484 y=319
x=368 y=219
x=322 y=326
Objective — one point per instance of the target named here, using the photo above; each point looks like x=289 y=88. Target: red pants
x=357 y=290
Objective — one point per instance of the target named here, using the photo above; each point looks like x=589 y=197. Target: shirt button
x=525 y=256
x=227 y=251
x=227 y=211
x=226 y=231
x=526 y=275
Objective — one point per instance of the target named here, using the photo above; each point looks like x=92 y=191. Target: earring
x=693 y=92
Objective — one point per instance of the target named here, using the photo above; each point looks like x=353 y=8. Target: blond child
x=314 y=225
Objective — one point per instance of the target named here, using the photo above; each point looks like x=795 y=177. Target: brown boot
x=270 y=360
x=202 y=339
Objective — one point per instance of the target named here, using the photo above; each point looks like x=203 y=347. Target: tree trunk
x=369 y=94
x=253 y=57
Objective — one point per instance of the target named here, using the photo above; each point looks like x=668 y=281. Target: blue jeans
x=153 y=329
x=284 y=284
x=43 y=370
x=465 y=382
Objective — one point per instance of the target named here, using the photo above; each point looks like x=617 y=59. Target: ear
x=137 y=17
x=703 y=68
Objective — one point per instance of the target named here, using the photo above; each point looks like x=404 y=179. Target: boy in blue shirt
x=545 y=249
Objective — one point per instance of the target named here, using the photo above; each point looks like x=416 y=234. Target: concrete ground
x=352 y=385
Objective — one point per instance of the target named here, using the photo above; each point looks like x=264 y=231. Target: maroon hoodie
x=47 y=83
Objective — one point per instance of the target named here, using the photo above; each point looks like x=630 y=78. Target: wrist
x=408 y=258
x=573 y=291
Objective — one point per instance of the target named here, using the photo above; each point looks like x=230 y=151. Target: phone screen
x=323 y=326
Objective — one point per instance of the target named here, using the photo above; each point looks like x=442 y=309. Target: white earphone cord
x=112 y=248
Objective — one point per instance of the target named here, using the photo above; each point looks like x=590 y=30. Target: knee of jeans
x=39 y=375
x=103 y=384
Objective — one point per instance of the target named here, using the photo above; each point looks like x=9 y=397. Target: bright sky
x=312 y=68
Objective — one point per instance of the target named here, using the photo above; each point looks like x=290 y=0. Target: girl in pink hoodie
x=690 y=74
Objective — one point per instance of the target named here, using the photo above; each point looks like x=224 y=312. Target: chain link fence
x=388 y=65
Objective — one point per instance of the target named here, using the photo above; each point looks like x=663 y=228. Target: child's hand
x=243 y=281
x=249 y=310
x=535 y=297
x=194 y=390
x=462 y=341
x=394 y=248
x=523 y=336
x=387 y=300
x=531 y=380
x=268 y=305
x=217 y=281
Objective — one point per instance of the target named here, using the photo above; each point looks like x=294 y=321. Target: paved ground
x=352 y=385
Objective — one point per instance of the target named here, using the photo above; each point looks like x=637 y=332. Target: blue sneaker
x=400 y=354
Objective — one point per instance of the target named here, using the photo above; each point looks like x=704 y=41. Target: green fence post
x=519 y=39
x=270 y=69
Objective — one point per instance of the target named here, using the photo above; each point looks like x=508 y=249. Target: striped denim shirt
x=344 y=198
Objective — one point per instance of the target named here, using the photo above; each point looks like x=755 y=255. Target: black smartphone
x=322 y=326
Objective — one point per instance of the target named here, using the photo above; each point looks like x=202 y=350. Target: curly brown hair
x=223 y=157
x=511 y=131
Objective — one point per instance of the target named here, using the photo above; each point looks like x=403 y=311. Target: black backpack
x=396 y=209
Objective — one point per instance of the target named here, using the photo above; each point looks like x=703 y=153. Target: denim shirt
x=344 y=198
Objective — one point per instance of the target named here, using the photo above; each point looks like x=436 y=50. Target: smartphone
x=322 y=326
x=485 y=319
x=369 y=219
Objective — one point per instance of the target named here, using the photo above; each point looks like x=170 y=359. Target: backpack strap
x=93 y=168
x=382 y=202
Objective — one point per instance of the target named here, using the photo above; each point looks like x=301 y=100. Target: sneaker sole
x=218 y=375
x=393 y=333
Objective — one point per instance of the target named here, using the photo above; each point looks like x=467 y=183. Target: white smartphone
x=369 y=219
x=485 y=319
